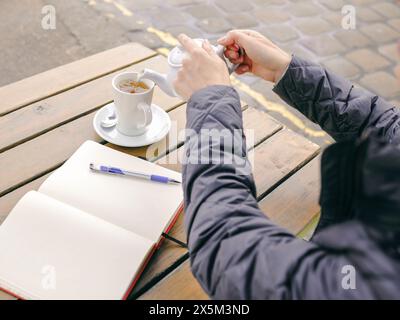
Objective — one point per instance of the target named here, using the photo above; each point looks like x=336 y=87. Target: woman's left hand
x=201 y=68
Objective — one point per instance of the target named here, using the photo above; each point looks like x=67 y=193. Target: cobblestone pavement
x=367 y=55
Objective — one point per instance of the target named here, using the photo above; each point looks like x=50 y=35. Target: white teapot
x=175 y=57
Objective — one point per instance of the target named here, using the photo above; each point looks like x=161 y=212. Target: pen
x=117 y=171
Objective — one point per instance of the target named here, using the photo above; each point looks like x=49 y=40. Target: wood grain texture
x=259 y=125
x=29 y=90
x=276 y=158
x=44 y=115
x=27 y=161
x=180 y=284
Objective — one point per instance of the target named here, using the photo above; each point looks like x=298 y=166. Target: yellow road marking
x=277 y=107
x=164 y=36
x=124 y=10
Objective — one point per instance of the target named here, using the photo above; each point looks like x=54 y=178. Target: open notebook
x=86 y=235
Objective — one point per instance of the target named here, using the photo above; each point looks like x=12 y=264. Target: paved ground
x=367 y=55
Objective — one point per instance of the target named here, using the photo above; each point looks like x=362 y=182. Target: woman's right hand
x=261 y=57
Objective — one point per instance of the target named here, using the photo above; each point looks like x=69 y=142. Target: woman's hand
x=262 y=57
x=202 y=68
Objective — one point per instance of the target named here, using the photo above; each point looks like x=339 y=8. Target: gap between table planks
x=43 y=85
x=292 y=205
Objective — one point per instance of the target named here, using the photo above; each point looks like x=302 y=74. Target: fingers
x=234 y=54
x=242 y=69
x=238 y=60
x=208 y=48
x=231 y=54
x=189 y=44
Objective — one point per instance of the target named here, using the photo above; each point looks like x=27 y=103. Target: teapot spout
x=159 y=79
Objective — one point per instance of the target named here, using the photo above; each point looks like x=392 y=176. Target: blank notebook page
x=49 y=250
x=138 y=205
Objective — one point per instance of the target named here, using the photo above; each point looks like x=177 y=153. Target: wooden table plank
x=27 y=161
x=279 y=157
x=302 y=186
x=26 y=91
x=179 y=285
x=49 y=113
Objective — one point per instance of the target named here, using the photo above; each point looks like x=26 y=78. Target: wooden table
x=45 y=118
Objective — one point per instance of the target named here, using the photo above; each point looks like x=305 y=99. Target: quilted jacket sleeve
x=341 y=109
x=236 y=252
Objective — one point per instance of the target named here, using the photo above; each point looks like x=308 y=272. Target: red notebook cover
x=146 y=262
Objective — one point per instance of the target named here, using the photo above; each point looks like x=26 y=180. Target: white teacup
x=133 y=110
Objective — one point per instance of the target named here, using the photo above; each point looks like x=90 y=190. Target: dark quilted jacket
x=236 y=252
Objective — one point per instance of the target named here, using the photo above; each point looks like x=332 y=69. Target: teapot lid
x=176 y=56
x=178 y=53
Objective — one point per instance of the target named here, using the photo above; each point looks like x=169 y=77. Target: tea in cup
x=132 y=86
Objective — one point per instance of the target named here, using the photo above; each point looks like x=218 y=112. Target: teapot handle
x=219 y=50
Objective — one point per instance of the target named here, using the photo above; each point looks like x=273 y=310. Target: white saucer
x=157 y=130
